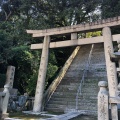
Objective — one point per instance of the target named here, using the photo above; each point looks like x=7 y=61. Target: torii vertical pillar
x=111 y=69
x=41 y=76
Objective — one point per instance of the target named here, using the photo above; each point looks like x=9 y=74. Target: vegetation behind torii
x=18 y=15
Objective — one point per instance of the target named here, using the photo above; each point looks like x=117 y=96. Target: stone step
x=77 y=81
x=76 y=85
x=94 y=73
x=92 y=67
x=74 y=96
x=89 y=91
x=92 y=98
x=97 y=64
x=86 y=82
x=73 y=101
x=69 y=84
x=59 y=110
x=72 y=104
x=87 y=107
x=79 y=77
x=55 y=110
x=74 y=90
x=80 y=107
x=83 y=66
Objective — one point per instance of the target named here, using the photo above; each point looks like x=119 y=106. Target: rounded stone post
x=5 y=101
x=103 y=107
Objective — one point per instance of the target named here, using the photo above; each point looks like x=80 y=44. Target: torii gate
x=107 y=39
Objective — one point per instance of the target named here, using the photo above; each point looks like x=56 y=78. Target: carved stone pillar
x=111 y=69
x=103 y=107
x=10 y=76
x=41 y=76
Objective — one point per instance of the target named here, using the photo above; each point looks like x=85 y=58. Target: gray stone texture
x=103 y=105
x=64 y=97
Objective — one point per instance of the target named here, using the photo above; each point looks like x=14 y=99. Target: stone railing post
x=103 y=107
x=5 y=100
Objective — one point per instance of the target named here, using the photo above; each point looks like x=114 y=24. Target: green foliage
x=93 y=34
x=110 y=8
x=51 y=71
x=2 y=80
x=32 y=83
x=19 y=15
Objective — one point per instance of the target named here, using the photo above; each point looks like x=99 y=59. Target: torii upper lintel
x=98 y=25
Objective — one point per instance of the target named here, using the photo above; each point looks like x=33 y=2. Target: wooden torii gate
x=107 y=39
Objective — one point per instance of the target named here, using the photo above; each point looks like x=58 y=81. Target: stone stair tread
x=67 y=98
x=66 y=94
x=77 y=84
x=73 y=103
x=63 y=108
x=71 y=107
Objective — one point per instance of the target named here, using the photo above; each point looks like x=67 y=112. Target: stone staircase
x=64 y=97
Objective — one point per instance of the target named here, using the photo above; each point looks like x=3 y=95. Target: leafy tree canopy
x=18 y=15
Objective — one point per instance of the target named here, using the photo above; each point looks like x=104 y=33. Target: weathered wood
x=77 y=28
x=75 y=42
x=111 y=69
x=41 y=76
x=103 y=107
